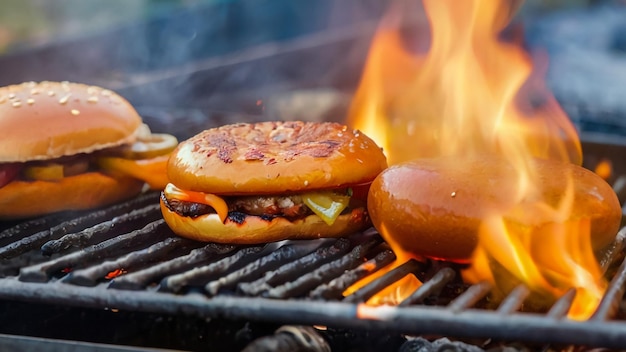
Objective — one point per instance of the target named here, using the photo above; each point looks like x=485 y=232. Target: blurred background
x=208 y=62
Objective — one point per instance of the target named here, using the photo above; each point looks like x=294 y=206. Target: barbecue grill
x=121 y=270
x=125 y=258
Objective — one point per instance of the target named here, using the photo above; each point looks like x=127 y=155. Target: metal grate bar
x=514 y=300
x=417 y=320
x=562 y=305
x=154 y=231
x=30 y=227
x=334 y=289
x=366 y=292
x=325 y=272
x=140 y=279
x=470 y=297
x=198 y=276
x=104 y=230
x=34 y=241
x=293 y=270
x=609 y=305
x=92 y=275
x=430 y=287
x=254 y=270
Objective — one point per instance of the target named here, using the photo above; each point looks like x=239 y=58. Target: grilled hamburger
x=255 y=183
x=69 y=146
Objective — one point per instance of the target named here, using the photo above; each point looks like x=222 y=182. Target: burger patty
x=288 y=206
x=285 y=206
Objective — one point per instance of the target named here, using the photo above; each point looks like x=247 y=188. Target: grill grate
x=125 y=257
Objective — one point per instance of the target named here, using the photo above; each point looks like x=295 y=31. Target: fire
x=604 y=169
x=473 y=94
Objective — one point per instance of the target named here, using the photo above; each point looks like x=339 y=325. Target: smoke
x=225 y=56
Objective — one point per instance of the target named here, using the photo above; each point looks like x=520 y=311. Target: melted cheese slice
x=152 y=171
x=217 y=203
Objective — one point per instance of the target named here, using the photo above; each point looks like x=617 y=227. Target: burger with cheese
x=69 y=146
x=269 y=181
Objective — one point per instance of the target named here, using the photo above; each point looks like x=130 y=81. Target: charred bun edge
x=23 y=199
x=251 y=229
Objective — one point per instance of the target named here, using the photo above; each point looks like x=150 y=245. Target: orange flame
x=473 y=94
x=604 y=169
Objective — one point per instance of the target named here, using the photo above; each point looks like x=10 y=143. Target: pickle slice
x=148 y=147
x=327 y=205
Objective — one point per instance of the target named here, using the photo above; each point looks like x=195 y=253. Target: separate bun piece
x=263 y=182
x=434 y=207
x=69 y=146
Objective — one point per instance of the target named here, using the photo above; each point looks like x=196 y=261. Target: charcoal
x=420 y=344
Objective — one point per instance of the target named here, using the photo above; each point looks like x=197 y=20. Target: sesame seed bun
x=275 y=157
x=48 y=120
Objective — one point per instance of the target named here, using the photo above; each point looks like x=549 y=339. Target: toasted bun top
x=47 y=120
x=275 y=157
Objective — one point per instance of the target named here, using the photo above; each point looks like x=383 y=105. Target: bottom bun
x=22 y=199
x=254 y=229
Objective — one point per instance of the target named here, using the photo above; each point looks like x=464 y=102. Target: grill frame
x=412 y=320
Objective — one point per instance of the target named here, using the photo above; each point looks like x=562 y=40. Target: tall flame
x=473 y=94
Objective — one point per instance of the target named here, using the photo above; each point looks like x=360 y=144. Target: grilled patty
x=287 y=206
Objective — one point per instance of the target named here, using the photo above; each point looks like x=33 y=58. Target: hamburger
x=269 y=181
x=69 y=146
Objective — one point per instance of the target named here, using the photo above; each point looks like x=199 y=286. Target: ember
x=115 y=273
x=473 y=95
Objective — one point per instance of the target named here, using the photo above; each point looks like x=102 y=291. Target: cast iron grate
x=125 y=257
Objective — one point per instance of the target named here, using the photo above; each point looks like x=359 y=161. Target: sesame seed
x=31 y=84
x=51 y=93
x=453 y=194
x=12 y=96
x=65 y=99
x=92 y=99
x=30 y=101
x=106 y=93
x=306 y=182
x=34 y=91
x=16 y=104
x=75 y=112
x=91 y=90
